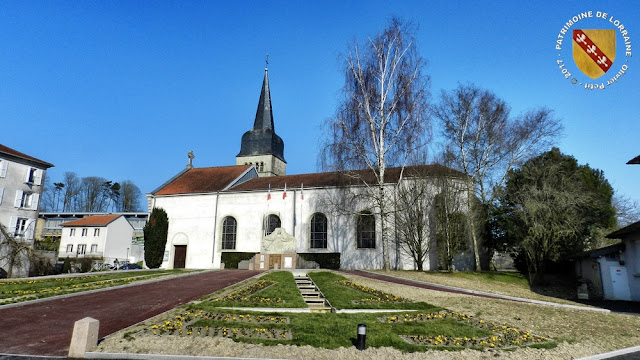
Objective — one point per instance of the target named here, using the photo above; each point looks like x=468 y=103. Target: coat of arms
x=594 y=51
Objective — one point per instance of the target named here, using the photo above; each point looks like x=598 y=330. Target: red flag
x=284 y=194
x=302 y=191
x=269 y=193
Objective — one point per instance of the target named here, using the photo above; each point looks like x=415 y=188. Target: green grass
x=430 y=327
x=333 y=330
x=13 y=291
x=512 y=278
x=282 y=293
x=344 y=297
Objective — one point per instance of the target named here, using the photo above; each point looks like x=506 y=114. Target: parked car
x=130 y=267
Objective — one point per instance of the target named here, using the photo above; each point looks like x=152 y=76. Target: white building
x=99 y=236
x=21 y=184
x=282 y=221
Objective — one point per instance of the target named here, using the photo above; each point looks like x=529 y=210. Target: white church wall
x=191 y=223
x=198 y=219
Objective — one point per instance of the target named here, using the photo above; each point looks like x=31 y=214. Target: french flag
x=284 y=194
x=269 y=193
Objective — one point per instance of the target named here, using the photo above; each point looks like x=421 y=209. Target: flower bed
x=245 y=295
x=504 y=336
x=378 y=296
x=183 y=325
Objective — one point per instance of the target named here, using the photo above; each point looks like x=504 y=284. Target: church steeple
x=264 y=115
x=261 y=146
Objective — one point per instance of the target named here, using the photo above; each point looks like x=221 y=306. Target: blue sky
x=124 y=89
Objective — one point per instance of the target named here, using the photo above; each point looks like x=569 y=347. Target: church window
x=261 y=166
x=273 y=222
x=366 y=231
x=229 y=227
x=318 y=233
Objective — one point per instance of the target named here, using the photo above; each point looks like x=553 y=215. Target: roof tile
x=203 y=180
x=9 y=151
x=95 y=220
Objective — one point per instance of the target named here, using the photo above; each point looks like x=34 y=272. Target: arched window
x=366 y=230
x=273 y=222
x=318 y=234
x=229 y=227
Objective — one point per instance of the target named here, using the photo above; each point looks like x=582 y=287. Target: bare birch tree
x=382 y=116
x=485 y=142
x=414 y=205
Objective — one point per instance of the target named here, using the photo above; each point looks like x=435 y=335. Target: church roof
x=329 y=179
x=223 y=178
x=203 y=180
x=262 y=139
x=15 y=153
x=95 y=220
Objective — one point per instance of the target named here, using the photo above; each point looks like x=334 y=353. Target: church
x=254 y=213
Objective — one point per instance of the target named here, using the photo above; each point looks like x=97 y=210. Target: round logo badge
x=594 y=49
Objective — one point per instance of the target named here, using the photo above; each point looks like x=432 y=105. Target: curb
x=124 y=356
x=611 y=354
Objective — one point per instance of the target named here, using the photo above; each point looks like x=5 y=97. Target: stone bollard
x=85 y=336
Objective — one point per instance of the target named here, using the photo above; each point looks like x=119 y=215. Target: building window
x=82 y=249
x=94 y=248
x=366 y=231
x=70 y=248
x=3 y=168
x=33 y=176
x=26 y=200
x=84 y=232
x=72 y=232
x=318 y=233
x=21 y=227
x=96 y=232
x=273 y=222
x=229 y=227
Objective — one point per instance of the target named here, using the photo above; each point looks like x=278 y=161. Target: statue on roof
x=190 y=156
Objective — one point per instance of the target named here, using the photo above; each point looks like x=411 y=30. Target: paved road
x=45 y=328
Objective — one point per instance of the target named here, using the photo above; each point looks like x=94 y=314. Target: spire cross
x=267 y=61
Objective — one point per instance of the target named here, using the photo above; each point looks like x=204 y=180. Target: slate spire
x=262 y=139
x=264 y=115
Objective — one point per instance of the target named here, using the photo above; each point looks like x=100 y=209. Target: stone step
x=315 y=301
x=321 y=310
x=312 y=295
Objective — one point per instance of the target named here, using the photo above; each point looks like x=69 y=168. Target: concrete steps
x=312 y=295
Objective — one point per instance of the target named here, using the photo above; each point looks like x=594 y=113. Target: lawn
x=427 y=327
x=275 y=289
x=469 y=323
x=344 y=294
x=504 y=283
x=19 y=290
